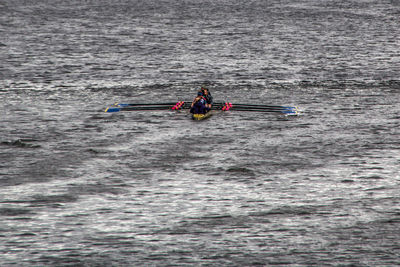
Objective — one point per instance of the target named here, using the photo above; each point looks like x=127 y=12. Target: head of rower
x=199 y=96
x=204 y=91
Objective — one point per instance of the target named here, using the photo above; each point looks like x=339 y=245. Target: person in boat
x=208 y=97
x=199 y=104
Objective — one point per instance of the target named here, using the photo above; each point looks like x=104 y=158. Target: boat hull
x=199 y=117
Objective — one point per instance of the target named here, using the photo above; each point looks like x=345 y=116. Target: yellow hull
x=199 y=117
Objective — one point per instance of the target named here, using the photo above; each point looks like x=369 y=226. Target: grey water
x=81 y=187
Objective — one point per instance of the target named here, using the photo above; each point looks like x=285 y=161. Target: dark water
x=80 y=187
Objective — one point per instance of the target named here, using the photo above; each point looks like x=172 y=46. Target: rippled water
x=80 y=187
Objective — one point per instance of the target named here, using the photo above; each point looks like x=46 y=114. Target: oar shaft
x=286 y=111
x=145 y=104
x=146 y=108
x=259 y=105
x=252 y=106
x=117 y=109
x=261 y=108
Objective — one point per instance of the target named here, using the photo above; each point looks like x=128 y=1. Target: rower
x=207 y=95
x=199 y=104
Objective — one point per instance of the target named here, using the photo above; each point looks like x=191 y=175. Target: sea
x=82 y=187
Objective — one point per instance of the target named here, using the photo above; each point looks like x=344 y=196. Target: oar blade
x=112 y=109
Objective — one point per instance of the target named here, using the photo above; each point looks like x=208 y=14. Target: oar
x=117 y=109
x=285 y=111
x=262 y=108
x=259 y=109
x=254 y=107
x=229 y=106
x=144 y=104
x=259 y=105
x=232 y=105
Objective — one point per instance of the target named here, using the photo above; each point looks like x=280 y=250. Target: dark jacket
x=199 y=106
x=209 y=98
